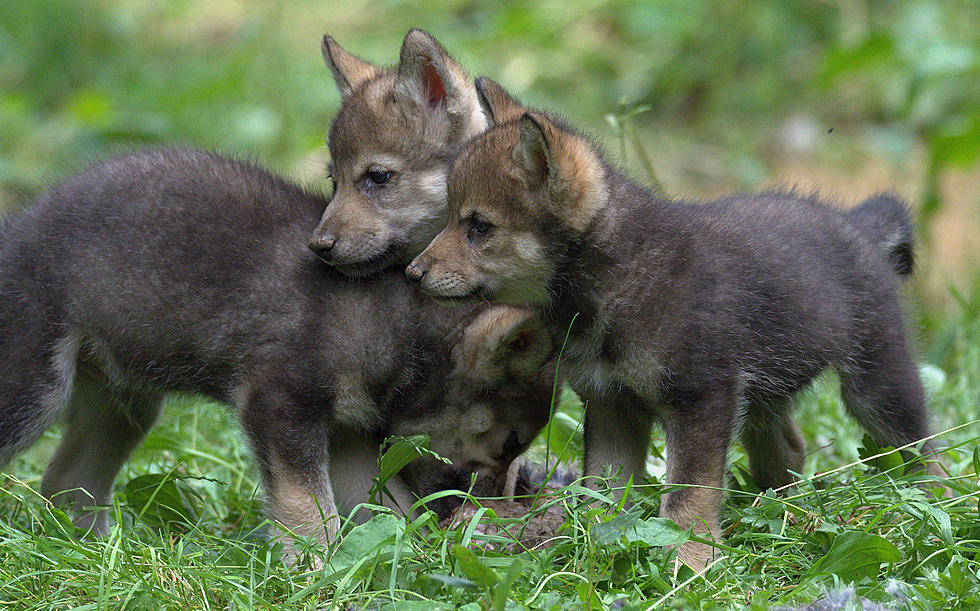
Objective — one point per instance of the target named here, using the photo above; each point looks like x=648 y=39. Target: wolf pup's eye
x=478 y=229
x=379 y=177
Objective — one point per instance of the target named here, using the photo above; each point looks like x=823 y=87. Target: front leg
x=290 y=441
x=698 y=427
x=617 y=436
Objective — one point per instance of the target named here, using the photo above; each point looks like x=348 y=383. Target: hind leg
x=36 y=373
x=773 y=444
x=104 y=425
x=883 y=392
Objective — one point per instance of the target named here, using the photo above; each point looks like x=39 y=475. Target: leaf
x=607 y=533
x=854 y=555
x=501 y=591
x=655 y=532
x=481 y=574
x=587 y=594
x=364 y=540
x=395 y=458
x=162 y=500
x=401 y=451
x=889 y=459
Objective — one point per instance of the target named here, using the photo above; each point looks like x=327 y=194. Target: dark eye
x=478 y=228
x=379 y=177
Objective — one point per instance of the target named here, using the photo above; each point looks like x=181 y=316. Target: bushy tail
x=885 y=220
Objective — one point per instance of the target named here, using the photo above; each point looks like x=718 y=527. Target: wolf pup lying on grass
x=707 y=317
x=180 y=270
x=390 y=146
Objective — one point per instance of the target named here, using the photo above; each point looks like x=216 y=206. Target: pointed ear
x=435 y=81
x=570 y=165
x=504 y=337
x=535 y=146
x=348 y=71
x=497 y=104
x=524 y=346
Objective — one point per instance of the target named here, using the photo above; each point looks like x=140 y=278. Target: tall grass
x=189 y=530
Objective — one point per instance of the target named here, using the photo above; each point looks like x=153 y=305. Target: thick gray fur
x=177 y=270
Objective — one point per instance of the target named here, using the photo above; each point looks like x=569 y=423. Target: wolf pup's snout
x=415 y=271
x=322 y=243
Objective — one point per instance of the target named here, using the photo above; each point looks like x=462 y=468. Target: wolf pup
x=707 y=317
x=390 y=145
x=180 y=270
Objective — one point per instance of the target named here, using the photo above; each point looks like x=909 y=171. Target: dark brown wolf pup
x=705 y=317
x=176 y=270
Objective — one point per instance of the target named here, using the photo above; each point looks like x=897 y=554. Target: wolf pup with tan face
x=390 y=146
x=707 y=317
x=181 y=270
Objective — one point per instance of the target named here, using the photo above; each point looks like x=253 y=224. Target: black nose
x=414 y=272
x=322 y=242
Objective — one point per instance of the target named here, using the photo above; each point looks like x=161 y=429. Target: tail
x=885 y=220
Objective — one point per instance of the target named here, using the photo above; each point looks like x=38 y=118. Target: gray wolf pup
x=705 y=317
x=180 y=270
x=390 y=146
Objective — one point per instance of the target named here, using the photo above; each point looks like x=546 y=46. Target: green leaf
x=855 y=555
x=481 y=574
x=655 y=532
x=364 y=540
x=588 y=596
x=502 y=590
x=610 y=531
x=401 y=451
x=162 y=500
x=885 y=463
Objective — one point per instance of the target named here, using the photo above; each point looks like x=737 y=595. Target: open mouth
x=375 y=264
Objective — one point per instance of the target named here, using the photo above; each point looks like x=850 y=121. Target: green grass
x=190 y=533
x=717 y=84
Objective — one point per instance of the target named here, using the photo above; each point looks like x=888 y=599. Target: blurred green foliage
x=711 y=95
x=246 y=76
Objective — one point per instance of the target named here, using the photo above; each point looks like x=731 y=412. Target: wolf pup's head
x=390 y=146
x=518 y=195
x=497 y=398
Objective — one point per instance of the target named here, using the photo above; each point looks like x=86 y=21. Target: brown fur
x=402 y=125
x=706 y=318
x=96 y=322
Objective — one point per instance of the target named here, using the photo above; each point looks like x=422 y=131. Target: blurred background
x=847 y=97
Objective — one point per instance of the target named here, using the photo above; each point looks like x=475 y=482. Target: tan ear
x=536 y=146
x=568 y=162
x=497 y=104
x=349 y=71
x=428 y=76
x=508 y=338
